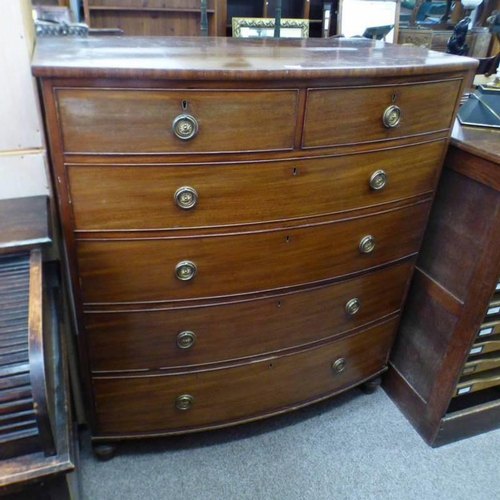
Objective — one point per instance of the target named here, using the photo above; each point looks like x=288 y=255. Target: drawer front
x=141 y=121
x=483 y=347
x=145 y=270
x=490 y=328
x=197 y=335
x=482 y=363
x=142 y=197
x=351 y=115
x=478 y=382
x=148 y=404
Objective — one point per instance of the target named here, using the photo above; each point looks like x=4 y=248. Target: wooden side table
x=456 y=276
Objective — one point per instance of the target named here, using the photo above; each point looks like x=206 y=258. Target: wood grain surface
x=146 y=340
x=144 y=270
x=147 y=404
x=238 y=193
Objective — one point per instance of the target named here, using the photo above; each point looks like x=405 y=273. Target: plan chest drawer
x=241 y=227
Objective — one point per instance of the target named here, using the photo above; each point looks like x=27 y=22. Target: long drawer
x=188 y=336
x=159 y=269
x=143 y=121
x=338 y=116
x=135 y=405
x=149 y=197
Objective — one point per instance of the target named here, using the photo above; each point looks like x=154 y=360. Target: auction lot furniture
x=241 y=217
x=445 y=368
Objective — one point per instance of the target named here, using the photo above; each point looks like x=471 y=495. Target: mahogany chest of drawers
x=241 y=217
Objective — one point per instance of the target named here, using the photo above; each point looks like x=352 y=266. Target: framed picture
x=262 y=27
x=356 y=16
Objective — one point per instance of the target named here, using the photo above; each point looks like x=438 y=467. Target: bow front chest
x=241 y=218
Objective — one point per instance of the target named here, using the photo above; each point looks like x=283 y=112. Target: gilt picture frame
x=263 y=27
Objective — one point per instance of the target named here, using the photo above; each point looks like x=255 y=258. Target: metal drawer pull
x=185 y=127
x=378 y=180
x=367 y=244
x=353 y=306
x=186 y=197
x=185 y=270
x=339 y=365
x=392 y=116
x=186 y=339
x=184 y=402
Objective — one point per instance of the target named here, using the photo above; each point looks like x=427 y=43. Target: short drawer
x=143 y=121
x=229 y=264
x=478 y=364
x=494 y=307
x=338 y=116
x=478 y=382
x=128 y=405
x=489 y=328
x=151 y=197
x=188 y=336
x=486 y=345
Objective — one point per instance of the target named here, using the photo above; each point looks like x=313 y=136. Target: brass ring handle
x=392 y=116
x=353 y=306
x=339 y=365
x=184 y=402
x=378 y=180
x=185 y=126
x=186 y=339
x=185 y=197
x=185 y=270
x=367 y=244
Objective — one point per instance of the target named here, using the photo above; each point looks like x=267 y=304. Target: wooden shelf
x=155 y=18
x=146 y=9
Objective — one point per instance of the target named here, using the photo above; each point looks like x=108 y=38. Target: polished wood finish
x=334 y=115
x=276 y=229
x=227 y=396
x=228 y=120
x=146 y=339
x=240 y=193
x=457 y=272
x=188 y=59
x=24 y=223
x=143 y=270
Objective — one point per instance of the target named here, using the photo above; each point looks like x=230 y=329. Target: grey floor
x=353 y=447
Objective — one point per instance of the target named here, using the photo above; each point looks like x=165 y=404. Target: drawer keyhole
x=184 y=105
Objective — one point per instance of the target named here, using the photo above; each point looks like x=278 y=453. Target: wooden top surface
x=480 y=141
x=227 y=58
x=24 y=223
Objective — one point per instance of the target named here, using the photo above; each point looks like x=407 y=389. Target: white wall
x=23 y=163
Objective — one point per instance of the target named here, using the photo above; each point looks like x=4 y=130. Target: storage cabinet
x=445 y=367
x=238 y=245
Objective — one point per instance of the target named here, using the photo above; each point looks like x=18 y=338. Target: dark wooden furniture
x=155 y=17
x=240 y=228
x=36 y=442
x=444 y=367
